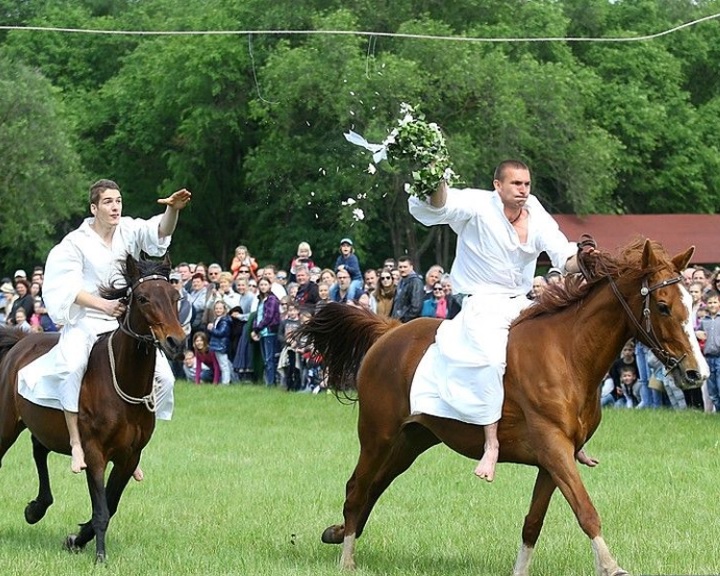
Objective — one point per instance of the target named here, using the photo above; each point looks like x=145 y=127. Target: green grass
x=244 y=480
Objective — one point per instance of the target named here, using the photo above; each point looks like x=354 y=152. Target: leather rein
x=149 y=400
x=646 y=333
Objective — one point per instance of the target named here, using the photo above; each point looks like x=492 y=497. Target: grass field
x=244 y=480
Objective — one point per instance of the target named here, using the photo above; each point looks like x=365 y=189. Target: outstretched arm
x=439 y=197
x=173 y=204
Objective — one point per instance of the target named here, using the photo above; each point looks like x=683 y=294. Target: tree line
x=253 y=123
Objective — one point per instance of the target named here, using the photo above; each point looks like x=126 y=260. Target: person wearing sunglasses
x=436 y=306
x=384 y=294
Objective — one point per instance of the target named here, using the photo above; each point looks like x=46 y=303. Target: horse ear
x=682 y=260
x=648 y=256
x=131 y=266
x=166 y=260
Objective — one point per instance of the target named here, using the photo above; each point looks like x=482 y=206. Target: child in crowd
x=289 y=363
x=21 y=320
x=203 y=355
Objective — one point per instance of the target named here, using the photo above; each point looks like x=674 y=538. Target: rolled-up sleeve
x=148 y=240
x=460 y=205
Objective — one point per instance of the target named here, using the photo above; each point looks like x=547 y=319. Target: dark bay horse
x=558 y=352
x=116 y=411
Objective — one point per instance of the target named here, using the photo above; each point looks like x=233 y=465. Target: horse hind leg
x=542 y=493
x=36 y=509
x=371 y=478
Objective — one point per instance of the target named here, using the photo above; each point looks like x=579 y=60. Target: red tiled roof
x=676 y=232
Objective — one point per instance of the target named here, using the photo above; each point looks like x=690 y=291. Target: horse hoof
x=34 y=512
x=71 y=544
x=99 y=558
x=333 y=534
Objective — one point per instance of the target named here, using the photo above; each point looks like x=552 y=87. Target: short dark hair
x=508 y=164
x=99 y=187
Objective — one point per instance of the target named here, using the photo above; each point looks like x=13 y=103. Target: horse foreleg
x=97 y=526
x=560 y=463
x=542 y=493
x=36 y=509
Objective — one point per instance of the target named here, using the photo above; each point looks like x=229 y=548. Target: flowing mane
x=624 y=264
x=142 y=268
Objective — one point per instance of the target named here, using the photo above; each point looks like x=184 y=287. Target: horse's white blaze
x=522 y=564
x=689 y=330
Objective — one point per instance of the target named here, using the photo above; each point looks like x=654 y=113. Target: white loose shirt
x=82 y=261
x=460 y=375
x=490 y=259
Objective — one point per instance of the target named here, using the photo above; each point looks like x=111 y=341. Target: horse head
x=152 y=305
x=664 y=322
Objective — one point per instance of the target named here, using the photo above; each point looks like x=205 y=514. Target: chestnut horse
x=558 y=352
x=116 y=410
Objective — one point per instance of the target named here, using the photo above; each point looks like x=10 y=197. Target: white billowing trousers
x=53 y=380
x=461 y=374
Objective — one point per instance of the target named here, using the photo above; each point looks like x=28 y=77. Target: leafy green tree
x=41 y=187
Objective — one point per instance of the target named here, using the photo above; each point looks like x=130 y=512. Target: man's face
x=108 y=210
x=405 y=268
x=269 y=273
x=302 y=276
x=433 y=277
x=343 y=279
x=371 y=279
x=213 y=274
x=184 y=272
x=514 y=188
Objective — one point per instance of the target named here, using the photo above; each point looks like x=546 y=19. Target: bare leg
x=76 y=451
x=583 y=458
x=138 y=474
x=486 y=467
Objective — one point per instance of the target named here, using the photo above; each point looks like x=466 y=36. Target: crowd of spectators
x=240 y=320
x=246 y=314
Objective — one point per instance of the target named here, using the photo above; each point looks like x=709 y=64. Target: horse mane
x=9 y=336
x=340 y=335
x=624 y=264
x=131 y=270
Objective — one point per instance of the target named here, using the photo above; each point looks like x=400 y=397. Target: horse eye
x=663 y=308
x=142 y=299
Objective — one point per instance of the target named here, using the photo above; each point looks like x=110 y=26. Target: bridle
x=125 y=323
x=148 y=400
x=646 y=333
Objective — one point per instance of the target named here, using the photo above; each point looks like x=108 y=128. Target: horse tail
x=8 y=338
x=339 y=336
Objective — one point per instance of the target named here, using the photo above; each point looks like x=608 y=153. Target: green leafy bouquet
x=421 y=143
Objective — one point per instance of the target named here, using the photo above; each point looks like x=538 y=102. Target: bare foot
x=78 y=459
x=486 y=467
x=138 y=475
x=583 y=458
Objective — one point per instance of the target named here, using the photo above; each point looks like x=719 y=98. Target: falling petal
x=371 y=168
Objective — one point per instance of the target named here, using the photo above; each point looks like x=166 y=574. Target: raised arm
x=173 y=204
x=439 y=197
